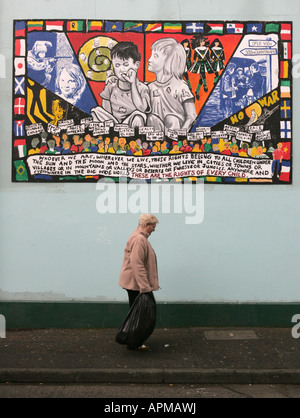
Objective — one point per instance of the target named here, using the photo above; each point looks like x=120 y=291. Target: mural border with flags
x=249 y=142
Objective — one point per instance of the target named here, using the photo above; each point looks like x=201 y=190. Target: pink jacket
x=139 y=268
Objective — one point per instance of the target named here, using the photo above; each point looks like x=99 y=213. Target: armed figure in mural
x=202 y=62
x=38 y=61
x=217 y=57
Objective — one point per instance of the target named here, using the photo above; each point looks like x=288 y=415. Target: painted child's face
x=122 y=66
x=156 y=62
x=122 y=141
x=67 y=83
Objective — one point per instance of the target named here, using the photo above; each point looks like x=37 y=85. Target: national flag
x=287 y=50
x=235 y=27
x=95 y=25
x=215 y=28
x=284 y=69
x=133 y=27
x=172 y=27
x=254 y=28
x=114 y=26
x=19 y=127
x=75 y=25
x=19 y=106
x=286 y=147
x=285 y=129
x=152 y=27
x=285 y=89
x=57 y=25
x=286 y=31
x=194 y=27
x=35 y=25
x=285 y=109
x=21 y=172
x=20 y=28
x=19 y=85
x=20 y=144
x=285 y=171
x=272 y=27
x=20 y=48
x=19 y=63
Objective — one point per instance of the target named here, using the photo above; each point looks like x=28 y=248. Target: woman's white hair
x=147 y=218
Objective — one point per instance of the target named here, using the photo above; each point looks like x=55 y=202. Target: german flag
x=284 y=69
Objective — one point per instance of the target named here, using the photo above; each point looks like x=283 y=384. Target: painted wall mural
x=152 y=100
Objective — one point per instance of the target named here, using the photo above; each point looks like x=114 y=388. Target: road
x=147 y=391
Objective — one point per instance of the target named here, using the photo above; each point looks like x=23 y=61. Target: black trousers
x=132 y=294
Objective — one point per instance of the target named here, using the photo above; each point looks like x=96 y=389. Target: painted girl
x=70 y=83
x=217 y=57
x=201 y=64
x=172 y=103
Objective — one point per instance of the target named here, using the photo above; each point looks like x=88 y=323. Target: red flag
x=286 y=31
x=19 y=142
x=286 y=146
x=19 y=106
x=20 y=47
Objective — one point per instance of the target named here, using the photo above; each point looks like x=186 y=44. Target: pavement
x=178 y=355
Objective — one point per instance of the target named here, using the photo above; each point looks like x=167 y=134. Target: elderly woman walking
x=139 y=267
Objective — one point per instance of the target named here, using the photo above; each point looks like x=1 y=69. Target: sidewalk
x=182 y=355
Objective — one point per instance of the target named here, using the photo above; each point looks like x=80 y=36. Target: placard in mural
x=152 y=100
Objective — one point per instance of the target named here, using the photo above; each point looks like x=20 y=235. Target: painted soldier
x=217 y=57
x=202 y=63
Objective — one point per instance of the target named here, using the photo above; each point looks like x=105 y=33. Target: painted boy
x=125 y=99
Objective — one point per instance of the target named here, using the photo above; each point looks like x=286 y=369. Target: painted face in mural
x=67 y=83
x=124 y=68
x=156 y=61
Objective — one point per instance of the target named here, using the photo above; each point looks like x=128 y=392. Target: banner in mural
x=152 y=100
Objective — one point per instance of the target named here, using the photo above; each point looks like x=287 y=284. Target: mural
x=152 y=100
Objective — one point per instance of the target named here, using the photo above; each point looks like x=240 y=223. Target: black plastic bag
x=139 y=322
